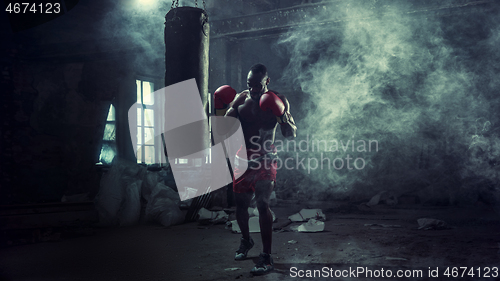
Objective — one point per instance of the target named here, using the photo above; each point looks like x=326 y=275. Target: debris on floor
x=292 y=242
x=273 y=200
x=232 y=268
x=428 y=224
x=255 y=212
x=281 y=227
x=119 y=198
x=253 y=225
x=253 y=222
x=306 y=214
x=312 y=225
x=163 y=206
x=123 y=189
x=205 y=216
x=383 y=197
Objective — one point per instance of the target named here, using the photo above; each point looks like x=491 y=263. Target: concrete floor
x=194 y=252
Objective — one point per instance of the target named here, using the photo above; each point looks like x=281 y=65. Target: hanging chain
x=174 y=3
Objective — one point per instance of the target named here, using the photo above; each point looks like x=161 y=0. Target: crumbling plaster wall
x=56 y=124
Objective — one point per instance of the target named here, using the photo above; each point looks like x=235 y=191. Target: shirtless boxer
x=259 y=110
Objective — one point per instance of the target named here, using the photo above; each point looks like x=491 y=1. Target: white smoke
x=137 y=26
x=424 y=87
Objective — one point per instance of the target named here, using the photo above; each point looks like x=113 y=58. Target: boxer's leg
x=263 y=190
x=242 y=204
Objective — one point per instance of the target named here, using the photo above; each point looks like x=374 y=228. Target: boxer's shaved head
x=257 y=80
x=259 y=69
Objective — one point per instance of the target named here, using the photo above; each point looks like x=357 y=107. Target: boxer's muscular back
x=258 y=126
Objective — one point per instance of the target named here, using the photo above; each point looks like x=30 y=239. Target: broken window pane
x=109 y=132
x=108 y=152
x=108 y=149
x=111 y=113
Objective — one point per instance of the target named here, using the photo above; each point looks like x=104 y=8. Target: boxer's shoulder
x=282 y=97
x=240 y=98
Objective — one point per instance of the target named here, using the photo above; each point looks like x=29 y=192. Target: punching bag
x=186 y=47
x=186 y=66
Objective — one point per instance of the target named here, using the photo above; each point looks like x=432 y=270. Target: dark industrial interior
x=397 y=109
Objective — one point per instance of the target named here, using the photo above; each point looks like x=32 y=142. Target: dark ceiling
x=94 y=26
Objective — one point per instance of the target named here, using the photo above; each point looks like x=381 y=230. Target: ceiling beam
x=278 y=21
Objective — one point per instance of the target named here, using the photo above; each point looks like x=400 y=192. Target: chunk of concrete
x=383 y=197
x=255 y=212
x=205 y=215
x=306 y=214
x=428 y=223
x=312 y=226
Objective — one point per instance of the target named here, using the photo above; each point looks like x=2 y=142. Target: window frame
x=110 y=142
x=141 y=159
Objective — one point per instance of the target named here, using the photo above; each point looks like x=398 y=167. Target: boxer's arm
x=233 y=106
x=288 y=127
x=223 y=96
x=232 y=110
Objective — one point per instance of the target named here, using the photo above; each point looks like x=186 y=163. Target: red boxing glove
x=270 y=101
x=223 y=96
